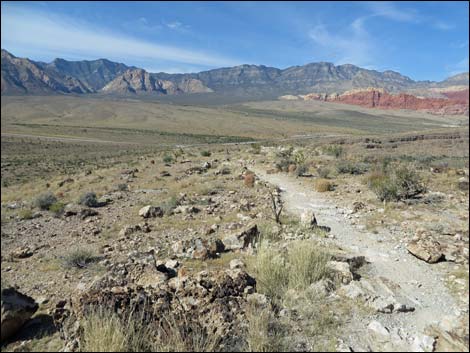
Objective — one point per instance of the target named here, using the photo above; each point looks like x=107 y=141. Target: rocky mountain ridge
x=25 y=76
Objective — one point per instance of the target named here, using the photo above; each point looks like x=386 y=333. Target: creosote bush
x=79 y=258
x=398 y=183
x=324 y=173
x=89 y=199
x=168 y=159
x=301 y=170
x=57 y=208
x=44 y=201
x=346 y=167
x=333 y=150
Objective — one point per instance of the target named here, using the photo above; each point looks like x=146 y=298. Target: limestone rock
x=426 y=250
x=241 y=240
x=150 y=211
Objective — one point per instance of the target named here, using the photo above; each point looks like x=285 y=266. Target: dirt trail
x=412 y=281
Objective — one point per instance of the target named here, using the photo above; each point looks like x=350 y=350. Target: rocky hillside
x=94 y=74
x=21 y=76
x=246 y=80
x=455 y=103
x=140 y=81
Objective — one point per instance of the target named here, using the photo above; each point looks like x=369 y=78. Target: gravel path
x=411 y=280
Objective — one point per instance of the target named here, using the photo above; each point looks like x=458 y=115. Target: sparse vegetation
x=324 y=173
x=89 y=199
x=301 y=170
x=304 y=263
x=322 y=185
x=79 y=258
x=57 y=208
x=168 y=159
x=169 y=205
x=264 y=332
x=333 y=150
x=347 y=167
x=398 y=183
x=44 y=201
x=307 y=264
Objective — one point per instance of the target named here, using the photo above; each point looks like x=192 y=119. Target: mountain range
x=25 y=76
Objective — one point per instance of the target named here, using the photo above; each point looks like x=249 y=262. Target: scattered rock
x=198 y=248
x=21 y=253
x=241 y=240
x=150 y=211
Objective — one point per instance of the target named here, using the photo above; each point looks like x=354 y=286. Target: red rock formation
x=461 y=96
x=455 y=104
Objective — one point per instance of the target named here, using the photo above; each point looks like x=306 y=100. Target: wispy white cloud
x=443 y=26
x=22 y=28
x=355 y=47
x=389 y=10
x=177 y=26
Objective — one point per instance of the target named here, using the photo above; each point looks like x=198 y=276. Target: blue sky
x=423 y=40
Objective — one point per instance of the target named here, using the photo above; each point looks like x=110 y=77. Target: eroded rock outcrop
x=17 y=308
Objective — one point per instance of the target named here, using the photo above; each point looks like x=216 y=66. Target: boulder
x=426 y=250
x=150 y=211
x=340 y=272
x=198 y=248
x=242 y=239
x=17 y=308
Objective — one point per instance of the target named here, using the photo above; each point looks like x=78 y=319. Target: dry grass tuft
x=322 y=185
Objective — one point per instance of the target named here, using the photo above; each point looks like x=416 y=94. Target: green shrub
x=25 y=214
x=255 y=148
x=123 y=187
x=45 y=201
x=285 y=153
x=206 y=153
x=79 y=258
x=324 y=173
x=398 y=183
x=89 y=199
x=57 y=208
x=301 y=170
x=345 y=167
x=283 y=164
x=299 y=157
x=168 y=159
x=333 y=150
